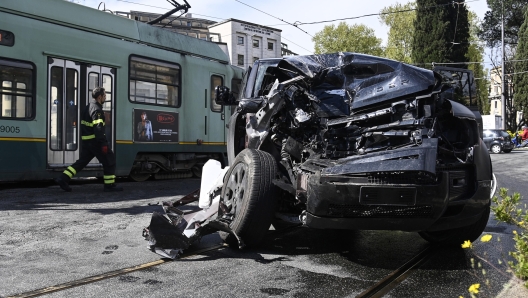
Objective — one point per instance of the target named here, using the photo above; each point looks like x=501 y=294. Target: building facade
x=242 y=41
x=248 y=42
x=495 y=94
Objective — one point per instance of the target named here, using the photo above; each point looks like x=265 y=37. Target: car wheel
x=248 y=196
x=495 y=148
x=507 y=150
x=459 y=235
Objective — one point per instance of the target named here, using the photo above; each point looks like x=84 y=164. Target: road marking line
x=110 y=274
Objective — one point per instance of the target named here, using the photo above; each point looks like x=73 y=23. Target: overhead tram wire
x=456 y=24
x=168 y=8
x=216 y=18
x=294 y=24
x=383 y=13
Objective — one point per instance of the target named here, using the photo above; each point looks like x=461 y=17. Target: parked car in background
x=498 y=140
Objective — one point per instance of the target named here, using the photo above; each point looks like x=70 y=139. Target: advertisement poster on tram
x=155 y=126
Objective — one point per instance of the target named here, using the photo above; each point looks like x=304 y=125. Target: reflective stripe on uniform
x=109 y=179
x=88 y=137
x=86 y=123
x=67 y=173
x=98 y=121
x=72 y=170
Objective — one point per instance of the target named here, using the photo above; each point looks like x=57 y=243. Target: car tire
x=507 y=150
x=249 y=196
x=459 y=235
x=495 y=148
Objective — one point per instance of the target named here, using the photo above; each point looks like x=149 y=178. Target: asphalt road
x=49 y=237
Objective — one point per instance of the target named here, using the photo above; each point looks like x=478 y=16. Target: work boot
x=63 y=184
x=112 y=187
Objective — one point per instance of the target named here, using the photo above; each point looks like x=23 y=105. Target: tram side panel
x=200 y=128
x=25 y=143
x=22 y=112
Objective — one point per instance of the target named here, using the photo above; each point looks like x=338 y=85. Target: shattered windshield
x=348 y=81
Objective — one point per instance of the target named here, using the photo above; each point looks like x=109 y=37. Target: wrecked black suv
x=351 y=141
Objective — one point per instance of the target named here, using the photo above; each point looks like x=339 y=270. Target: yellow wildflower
x=466 y=244
x=521 y=223
x=474 y=288
x=486 y=238
x=515 y=232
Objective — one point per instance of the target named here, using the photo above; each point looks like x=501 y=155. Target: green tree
x=476 y=54
x=513 y=19
x=441 y=32
x=520 y=79
x=347 y=38
x=400 y=20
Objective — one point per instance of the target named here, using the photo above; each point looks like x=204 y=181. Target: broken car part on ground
x=351 y=141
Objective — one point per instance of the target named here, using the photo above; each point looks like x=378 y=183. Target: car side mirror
x=224 y=97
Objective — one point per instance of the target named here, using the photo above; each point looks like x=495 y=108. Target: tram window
x=235 y=87
x=57 y=106
x=154 y=82
x=71 y=103
x=215 y=81
x=16 y=90
x=93 y=81
x=107 y=85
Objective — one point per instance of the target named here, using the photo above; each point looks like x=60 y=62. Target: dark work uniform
x=93 y=140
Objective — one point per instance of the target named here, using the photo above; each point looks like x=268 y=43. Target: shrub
x=507 y=210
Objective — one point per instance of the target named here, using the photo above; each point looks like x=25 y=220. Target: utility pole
x=503 y=78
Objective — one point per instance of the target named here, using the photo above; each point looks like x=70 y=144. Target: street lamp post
x=503 y=78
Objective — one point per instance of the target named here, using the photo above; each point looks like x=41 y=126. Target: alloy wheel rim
x=236 y=187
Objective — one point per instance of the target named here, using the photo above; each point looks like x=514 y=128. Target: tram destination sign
x=7 y=38
x=155 y=126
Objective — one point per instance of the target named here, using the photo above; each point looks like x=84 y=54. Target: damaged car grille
x=419 y=178
x=365 y=211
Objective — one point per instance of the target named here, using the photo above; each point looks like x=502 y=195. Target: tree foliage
x=520 y=79
x=476 y=54
x=441 y=32
x=400 y=20
x=513 y=19
x=347 y=38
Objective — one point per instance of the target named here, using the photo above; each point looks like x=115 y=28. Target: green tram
x=53 y=53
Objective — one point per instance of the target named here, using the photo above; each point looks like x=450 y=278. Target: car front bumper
x=507 y=145
x=340 y=197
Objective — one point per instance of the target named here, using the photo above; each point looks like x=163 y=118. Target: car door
x=488 y=138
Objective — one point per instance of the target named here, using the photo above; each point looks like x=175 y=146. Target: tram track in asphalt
x=399 y=275
x=382 y=287
x=111 y=274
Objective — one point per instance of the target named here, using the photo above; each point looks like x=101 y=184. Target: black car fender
x=482 y=161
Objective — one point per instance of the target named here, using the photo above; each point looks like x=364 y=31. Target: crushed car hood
x=346 y=82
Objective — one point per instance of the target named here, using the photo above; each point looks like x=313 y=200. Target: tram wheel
x=197 y=170
x=139 y=177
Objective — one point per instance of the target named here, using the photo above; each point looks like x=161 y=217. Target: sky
x=273 y=11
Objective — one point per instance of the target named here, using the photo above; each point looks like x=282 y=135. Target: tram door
x=103 y=77
x=70 y=85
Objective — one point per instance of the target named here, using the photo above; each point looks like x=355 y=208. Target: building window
x=189 y=24
x=255 y=59
x=495 y=104
x=215 y=81
x=154 y=82
x=256 y=43
x=240 y=40
x=270 y=46
x=240 y=59
x=17 y=90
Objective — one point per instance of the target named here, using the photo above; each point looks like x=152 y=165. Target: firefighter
x=94 y=144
